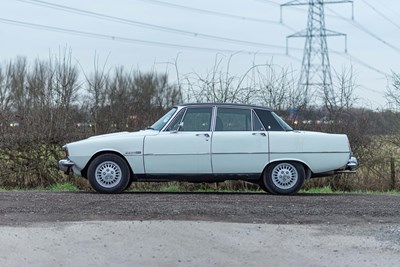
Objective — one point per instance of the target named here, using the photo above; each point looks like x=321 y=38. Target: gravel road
x=189 y=229
x=18 y=208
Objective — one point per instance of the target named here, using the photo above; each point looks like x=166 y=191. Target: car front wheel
x=108 y=173
x=283 y=178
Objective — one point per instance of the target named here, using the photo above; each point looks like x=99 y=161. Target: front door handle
x=263 y=134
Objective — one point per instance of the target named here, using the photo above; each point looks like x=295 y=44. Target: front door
x=184 y=148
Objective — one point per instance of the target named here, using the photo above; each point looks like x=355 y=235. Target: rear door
x=239 y=142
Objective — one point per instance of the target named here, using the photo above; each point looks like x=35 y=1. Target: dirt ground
x=18 y=208
x=198 y=229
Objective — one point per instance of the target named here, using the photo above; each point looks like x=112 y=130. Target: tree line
x=47 y=103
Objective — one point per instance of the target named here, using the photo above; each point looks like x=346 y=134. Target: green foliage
x=57 y=187
x=320 y=190
x=328 y=190
x=64 y=187
x=204 y=188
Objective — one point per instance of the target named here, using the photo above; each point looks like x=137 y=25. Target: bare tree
x=219 y=85
x=17 y=71
x=393 y=92
x=340 y=96
x=276 y=88
x=96 y=84
x=39 y=100
x=152 y=96
x=5 y=92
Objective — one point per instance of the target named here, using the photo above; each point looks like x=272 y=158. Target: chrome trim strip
x=213 y=126
x=177 y=154
x=242 y=153
x=322 y=152
x=143 y=162
x=132 y=153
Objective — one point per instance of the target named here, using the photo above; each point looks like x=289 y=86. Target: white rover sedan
x=210 y=143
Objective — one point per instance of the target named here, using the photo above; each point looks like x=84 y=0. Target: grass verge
x=172 y=188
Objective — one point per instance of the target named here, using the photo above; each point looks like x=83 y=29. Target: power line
x=292 y=7
x=127 y=40
x=381 y=14
x=371 y=90
x=269 y=2
x=364 y=29
x=389 y=8
x=210 y=12
x=216 y=13
x=162 y=44
x=360 y=62
x=146 y=25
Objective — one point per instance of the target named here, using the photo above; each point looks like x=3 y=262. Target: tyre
x=108 y=173
x=263 y=187
x=129 y=184
x=283 y=178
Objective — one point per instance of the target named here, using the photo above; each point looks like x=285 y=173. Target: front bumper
x=65 y=165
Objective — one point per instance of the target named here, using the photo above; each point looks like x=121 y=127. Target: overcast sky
x=147 y=34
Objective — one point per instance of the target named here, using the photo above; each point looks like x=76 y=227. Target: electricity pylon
x=315 y=70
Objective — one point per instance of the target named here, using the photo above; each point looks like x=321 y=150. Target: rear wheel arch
x=300 y=170
x=307 y=169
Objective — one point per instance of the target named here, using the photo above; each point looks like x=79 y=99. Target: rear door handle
x=263 y=134
x=203 y=134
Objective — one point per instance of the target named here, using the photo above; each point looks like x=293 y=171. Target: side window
x=257 y=125
x=268 y=120
x=197 y=120
x=232 y=119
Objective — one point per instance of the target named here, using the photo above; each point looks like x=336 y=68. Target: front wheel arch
x=84 y=171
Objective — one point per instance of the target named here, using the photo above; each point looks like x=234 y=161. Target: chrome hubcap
x=108 y=174
x=284 y=176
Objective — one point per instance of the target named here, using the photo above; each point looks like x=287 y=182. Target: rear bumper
x=351 y=166
x=65 y=165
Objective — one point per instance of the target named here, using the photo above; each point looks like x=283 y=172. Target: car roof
x=222 y=105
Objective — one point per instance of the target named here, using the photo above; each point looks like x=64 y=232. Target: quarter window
x=268 y=120
x=257 y=125
x=174 y=126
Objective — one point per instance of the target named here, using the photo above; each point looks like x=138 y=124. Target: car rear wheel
x=283 y=178
x=108 y=173
x=129 y=184
x=263 y=187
